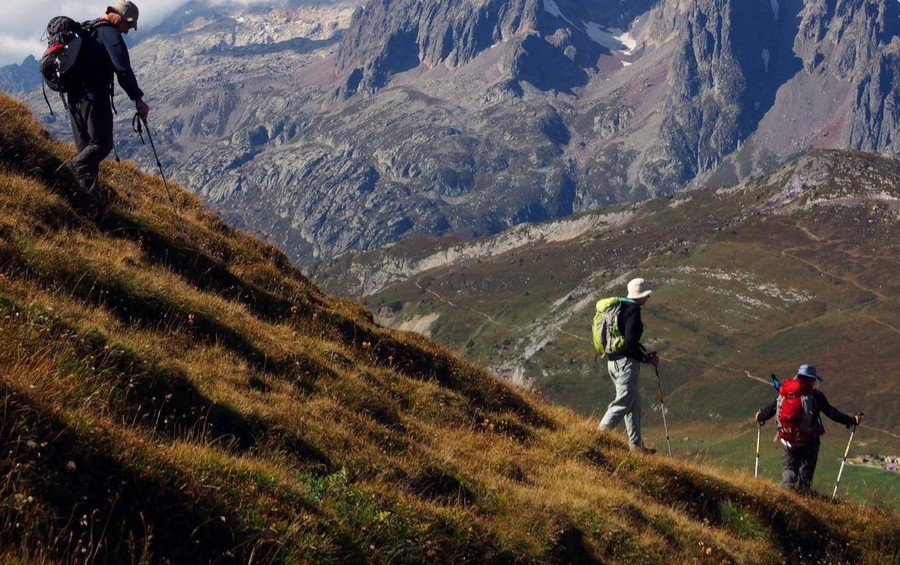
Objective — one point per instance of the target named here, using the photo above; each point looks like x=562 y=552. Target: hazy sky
x=22 y=22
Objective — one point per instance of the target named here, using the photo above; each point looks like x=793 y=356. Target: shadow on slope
x=201 y=370
x=105 y=507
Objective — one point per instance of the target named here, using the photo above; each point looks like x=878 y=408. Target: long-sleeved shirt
x=632 y=329
x=108 y=55
x=820 y=406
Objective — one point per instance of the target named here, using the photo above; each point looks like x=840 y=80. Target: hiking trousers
x=92 y=128
x=798 y=466
x=627 y=403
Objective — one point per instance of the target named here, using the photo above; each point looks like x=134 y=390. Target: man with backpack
x=624 y=363
x=798 y=410
x=90 y=102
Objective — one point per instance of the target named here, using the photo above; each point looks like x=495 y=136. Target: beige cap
x=638 y=288
x=127 y=10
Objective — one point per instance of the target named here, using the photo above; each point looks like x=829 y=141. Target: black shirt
x=632 y=329
x=108 y=55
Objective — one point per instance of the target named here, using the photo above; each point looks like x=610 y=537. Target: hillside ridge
x=191 y=397
x=790 y=267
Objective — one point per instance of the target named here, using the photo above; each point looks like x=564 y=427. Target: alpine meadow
x=340 y=307
x=798 y=266
x=173 y=390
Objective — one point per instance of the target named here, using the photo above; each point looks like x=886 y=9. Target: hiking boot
x=642 y=449
x=87 y=183
x=84 y=190
x=84 y=180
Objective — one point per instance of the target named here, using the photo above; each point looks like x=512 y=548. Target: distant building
x=889 y=463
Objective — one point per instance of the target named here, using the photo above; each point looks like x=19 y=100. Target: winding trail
x=790 y=252
x=486 y=316
x=433 y=293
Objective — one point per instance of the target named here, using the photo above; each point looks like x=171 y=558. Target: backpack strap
x=92 y=26
x=47 y=100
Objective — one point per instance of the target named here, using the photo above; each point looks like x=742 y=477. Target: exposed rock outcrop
x=336 y=127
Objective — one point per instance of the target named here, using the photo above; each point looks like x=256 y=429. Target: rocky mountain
x=18 y=78
x=332 y=126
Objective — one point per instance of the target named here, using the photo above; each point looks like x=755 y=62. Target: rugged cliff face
x=337 y=126
x=387 y=38
x=734 y=60
x=715 y=86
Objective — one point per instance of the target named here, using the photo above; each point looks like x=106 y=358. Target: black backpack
x=61 y=66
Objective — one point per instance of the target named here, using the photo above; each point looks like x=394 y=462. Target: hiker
x=798 y=409
x=90 y=105
x=625 y=366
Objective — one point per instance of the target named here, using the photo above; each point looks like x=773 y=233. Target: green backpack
x=607 y=335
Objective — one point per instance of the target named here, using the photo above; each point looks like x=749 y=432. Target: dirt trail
x=433 y=293
x=853 y=282
x=486 y=316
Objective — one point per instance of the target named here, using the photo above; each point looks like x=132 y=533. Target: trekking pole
x=844 y=460
x=758 y=432
x=136 y=126
x=124 y=178
x=662 y=406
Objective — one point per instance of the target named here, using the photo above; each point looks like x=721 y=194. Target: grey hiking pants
x=798 y=466
x=627 y=403
x=92 y=127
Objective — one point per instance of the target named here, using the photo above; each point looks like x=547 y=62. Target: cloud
x=15 y=49
x=23 y=23
x=21 y=30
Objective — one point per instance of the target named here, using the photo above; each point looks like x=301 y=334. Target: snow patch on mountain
x=613 y=39
x=553 y=8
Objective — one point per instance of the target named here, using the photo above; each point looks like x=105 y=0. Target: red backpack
x=798 y=423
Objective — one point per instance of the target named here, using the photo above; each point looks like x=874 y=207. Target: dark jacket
x=632 y=329
x=108 y=56
x=820 y=406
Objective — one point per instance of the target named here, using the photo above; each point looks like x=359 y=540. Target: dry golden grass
x=189 y=396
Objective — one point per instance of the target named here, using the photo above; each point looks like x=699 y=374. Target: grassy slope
x=752 y=280
x=190 y=396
